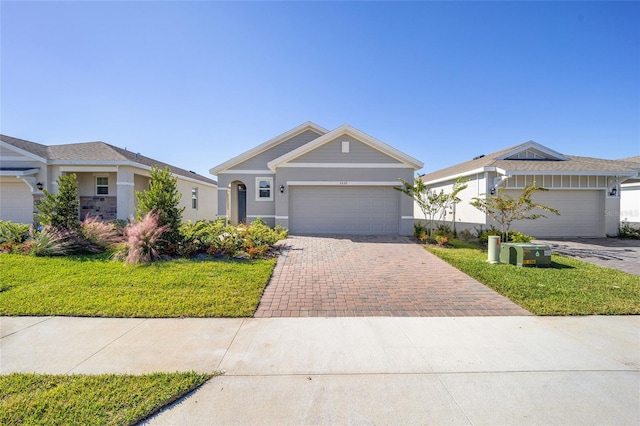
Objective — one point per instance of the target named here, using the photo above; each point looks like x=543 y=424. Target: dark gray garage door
x=366 y=210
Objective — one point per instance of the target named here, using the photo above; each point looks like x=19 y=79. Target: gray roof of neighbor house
x=570 y=163
x=635 y=159
x=91 y=152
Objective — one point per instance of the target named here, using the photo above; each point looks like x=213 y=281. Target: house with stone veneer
x=107 y=177
x=312 y=180
x=585 y=190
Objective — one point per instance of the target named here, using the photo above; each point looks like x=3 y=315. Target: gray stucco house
x=315 y=181
x=107 y=177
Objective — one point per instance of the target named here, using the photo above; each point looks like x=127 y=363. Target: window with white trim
x=264 y=189
x=194 y=198
x=102 y=185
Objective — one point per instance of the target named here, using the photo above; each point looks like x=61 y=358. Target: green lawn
x=96 y=286
x=41 y=399
x=568 y=287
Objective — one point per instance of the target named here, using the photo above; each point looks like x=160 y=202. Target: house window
x=102 y=185
x=264 y=189
x=345 y=147
x=194 y=198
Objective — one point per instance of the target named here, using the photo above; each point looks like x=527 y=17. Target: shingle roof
x=574 y=163
x=635 y=159
x=90 y=152
x=32 y=147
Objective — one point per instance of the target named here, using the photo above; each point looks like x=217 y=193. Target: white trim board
x=340 y=183
x=348 y=165
x=246 y=172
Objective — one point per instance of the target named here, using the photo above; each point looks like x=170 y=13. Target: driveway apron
x=620 y=254
x=347 y=276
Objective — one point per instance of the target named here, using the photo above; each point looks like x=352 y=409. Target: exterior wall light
x=613 y=192
x=39 y=185
x=282 y=189
x=492 y=191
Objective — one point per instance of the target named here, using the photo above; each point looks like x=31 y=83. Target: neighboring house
x=107 y=177
x=585 y=190
x=315 y=181
x=630 y=195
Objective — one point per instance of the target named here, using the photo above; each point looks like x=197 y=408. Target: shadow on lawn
x=556 y=265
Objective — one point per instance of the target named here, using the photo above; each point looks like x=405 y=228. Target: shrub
x=442 y=240
x=143 y=240
x=162 y=198
x=421 y=232
x=228 y=243
x=627 y=230
x=12 y=235
x=61 y=210
x=516 y=237
x=444 y=229
x=101 y=234
x=466 y=235
x=202 y=235
x=258 y=238
x=50 y=241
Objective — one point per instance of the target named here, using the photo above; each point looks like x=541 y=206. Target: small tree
x=459 y=185
x=61 y=210
x=430 y=202
x=504 y=209
x=163 y=199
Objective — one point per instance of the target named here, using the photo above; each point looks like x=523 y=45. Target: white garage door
x=580 y=214
x=344 y=210
x=16 y=202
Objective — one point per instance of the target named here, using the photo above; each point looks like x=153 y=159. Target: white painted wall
x=467 y=216
x=630 y=203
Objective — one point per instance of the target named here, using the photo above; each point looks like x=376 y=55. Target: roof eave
x=22 y=151
x=309 y=125
x=352 y=131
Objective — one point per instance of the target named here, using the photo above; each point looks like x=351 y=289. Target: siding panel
x=331 y=152
x=259 y=161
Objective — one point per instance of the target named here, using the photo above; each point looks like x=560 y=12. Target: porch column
x=125 y=192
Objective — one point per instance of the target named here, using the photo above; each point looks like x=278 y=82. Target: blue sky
x=196 y=83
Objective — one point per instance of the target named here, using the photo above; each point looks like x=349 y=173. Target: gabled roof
x=31 y=149
x=93 y=153
x=267 y=145
x=532 y=151
x=345 y=129
x=503 y=162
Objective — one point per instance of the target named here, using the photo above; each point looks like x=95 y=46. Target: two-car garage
x=361 y=210
x=580 y=214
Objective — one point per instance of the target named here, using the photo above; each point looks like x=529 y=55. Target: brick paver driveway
x=372 y=276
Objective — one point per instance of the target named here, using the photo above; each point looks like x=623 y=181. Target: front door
x=242 y=204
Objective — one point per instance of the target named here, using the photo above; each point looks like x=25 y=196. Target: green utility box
x=525 y=254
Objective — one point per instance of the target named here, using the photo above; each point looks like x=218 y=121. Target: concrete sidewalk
x=374 y=370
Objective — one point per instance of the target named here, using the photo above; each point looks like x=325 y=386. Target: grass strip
x=568 y=287
x=41 y=399
x=95 y=286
